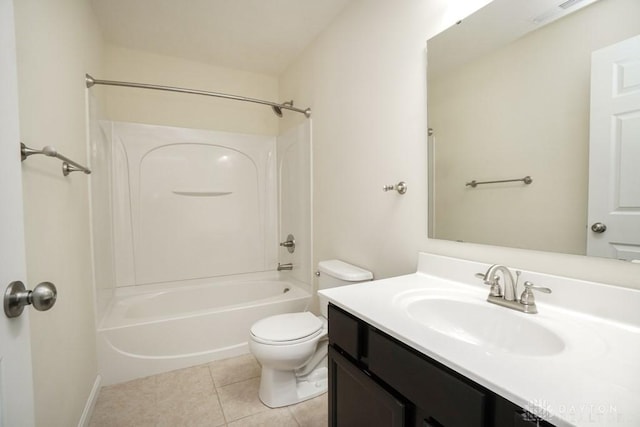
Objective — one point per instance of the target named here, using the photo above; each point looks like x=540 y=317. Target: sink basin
x=494 y=328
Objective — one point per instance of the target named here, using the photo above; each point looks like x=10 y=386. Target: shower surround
x=186 y=225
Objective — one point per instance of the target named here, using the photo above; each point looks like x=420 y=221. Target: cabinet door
x=357 y=400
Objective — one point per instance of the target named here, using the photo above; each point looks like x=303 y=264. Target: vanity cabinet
x=375 y=380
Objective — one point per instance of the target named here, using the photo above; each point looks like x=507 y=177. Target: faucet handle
x=529 y=285
x=494 y=282
x=527 y=297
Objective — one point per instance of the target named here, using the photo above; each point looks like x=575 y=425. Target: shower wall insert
x=186 y=232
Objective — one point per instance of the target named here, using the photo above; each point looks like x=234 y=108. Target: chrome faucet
x=526 y=303
x=510 y=286
x=287 y=266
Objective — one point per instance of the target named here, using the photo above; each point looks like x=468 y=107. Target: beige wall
x=364 y=78
x=523 y=110
x=57 y=42
x=183 y=110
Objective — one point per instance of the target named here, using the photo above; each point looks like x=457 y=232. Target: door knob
x=598 y=227
x=42 y=297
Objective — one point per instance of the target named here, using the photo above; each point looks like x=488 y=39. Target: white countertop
x=593 y=381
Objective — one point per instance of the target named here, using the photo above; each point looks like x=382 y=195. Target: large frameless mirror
x=511 y=98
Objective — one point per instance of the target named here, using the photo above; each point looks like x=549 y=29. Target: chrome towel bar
x=68 y=165
x=527 y=180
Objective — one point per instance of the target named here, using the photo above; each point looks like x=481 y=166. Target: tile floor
x=221 y=393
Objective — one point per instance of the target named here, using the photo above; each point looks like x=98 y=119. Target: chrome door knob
x=598 y=227
x=43 y=297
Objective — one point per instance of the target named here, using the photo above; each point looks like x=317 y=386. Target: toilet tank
x=335 y=273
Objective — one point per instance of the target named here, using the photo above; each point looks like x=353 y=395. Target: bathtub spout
x=287 y=266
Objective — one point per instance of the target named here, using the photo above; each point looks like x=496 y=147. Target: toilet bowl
x=292 y=347
x=282 y=355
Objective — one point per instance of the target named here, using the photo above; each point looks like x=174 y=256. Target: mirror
x=509 y=97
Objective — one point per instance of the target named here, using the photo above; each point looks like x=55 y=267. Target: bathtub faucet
x=287 y=266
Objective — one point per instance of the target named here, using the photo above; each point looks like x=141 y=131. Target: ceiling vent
x=569 y=3
x=560 y=10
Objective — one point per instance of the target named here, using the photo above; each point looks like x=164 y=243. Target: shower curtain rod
x=277 y=108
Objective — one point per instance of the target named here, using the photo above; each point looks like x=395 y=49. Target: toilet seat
x=286 y=329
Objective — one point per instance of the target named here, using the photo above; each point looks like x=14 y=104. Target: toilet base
x=283 y=388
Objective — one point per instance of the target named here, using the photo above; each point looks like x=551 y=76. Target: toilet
x=292 y=347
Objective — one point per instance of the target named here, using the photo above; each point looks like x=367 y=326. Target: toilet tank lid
x=344 y=271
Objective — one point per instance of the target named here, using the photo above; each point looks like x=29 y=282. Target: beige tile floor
x=221 y=393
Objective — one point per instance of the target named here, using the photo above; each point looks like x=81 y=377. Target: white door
x=16 y=389
x=614 y=152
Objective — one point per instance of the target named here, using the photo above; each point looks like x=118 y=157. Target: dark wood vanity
x=376 y=380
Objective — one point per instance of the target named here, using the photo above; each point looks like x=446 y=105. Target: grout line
x=215 y=388
x=293 y=415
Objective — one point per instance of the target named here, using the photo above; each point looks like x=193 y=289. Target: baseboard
x=91 y=403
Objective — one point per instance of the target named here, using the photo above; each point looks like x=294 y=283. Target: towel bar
x=68 y=165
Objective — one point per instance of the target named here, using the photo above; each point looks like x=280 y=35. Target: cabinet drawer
x=343 y=331
x=441 y=396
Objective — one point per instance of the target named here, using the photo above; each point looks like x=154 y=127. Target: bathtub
x=159 y=328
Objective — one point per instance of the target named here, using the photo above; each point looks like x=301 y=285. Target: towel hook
x=400 y=187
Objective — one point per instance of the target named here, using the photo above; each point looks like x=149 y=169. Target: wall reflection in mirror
x=509 y=96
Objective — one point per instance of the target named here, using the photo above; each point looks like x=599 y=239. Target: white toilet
x=292 y=347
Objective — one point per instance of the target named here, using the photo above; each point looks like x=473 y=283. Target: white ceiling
x=256 y=35
x=496 y=24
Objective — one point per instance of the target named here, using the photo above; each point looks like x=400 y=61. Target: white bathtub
x=165 y=327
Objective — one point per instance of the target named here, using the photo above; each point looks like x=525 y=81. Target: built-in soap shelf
x=201 y=193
